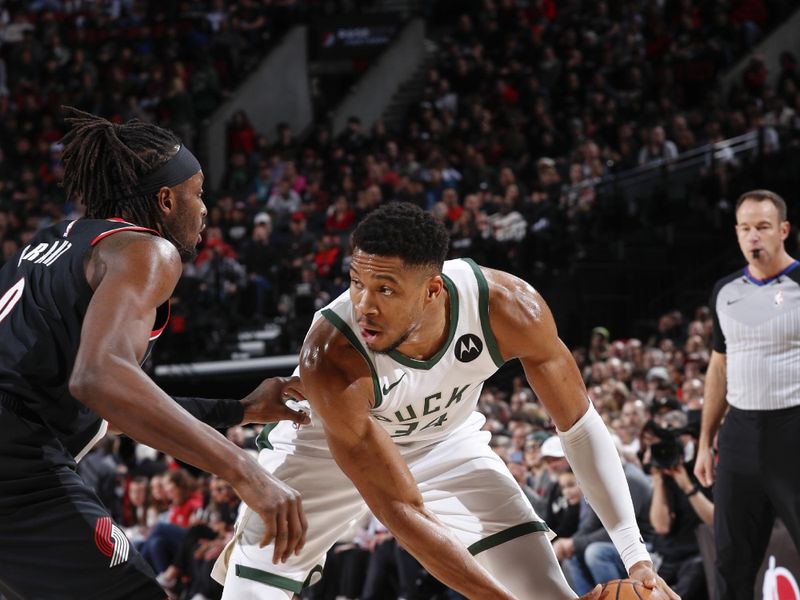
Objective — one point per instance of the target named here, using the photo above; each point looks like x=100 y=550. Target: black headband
x=177 y=169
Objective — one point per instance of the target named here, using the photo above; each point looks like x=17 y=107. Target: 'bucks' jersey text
x=418 y=400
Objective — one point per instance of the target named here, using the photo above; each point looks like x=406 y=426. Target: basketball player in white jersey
x=393 y=370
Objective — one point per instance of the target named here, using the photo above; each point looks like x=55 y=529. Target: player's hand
x=281 y=510
x=643 y=571
x=266 y=403
x=704 y=466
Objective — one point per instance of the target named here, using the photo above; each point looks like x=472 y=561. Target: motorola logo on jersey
x=468 y=347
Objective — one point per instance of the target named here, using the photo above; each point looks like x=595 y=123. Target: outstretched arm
x=265 y=404
x=524 y=328
x=132 y=274
x=337 y=383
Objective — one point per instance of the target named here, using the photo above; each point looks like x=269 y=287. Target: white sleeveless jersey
x=425 y=400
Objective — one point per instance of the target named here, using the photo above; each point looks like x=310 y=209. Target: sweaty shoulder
x=517 y=313
x=331 y=364
x=149 y=259
x=508 y=294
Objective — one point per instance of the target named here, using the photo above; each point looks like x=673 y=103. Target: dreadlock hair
x=404 y=230
x=104 y=161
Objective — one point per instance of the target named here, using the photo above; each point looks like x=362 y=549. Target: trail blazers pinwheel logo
x=779 y=583
x=468 y=347
x=111 y=541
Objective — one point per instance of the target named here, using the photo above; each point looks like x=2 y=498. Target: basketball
x=624 y=589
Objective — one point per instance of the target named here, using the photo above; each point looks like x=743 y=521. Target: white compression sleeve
x=594 y=459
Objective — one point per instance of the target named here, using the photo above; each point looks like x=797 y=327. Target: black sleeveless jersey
x=44 y=295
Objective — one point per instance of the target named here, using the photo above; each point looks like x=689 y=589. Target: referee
x=754 y=374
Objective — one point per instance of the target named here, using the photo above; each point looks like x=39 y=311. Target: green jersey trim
x=501 y=537
x=345 y=330
x=483 y=308
x=426 y=365
x=262 y=441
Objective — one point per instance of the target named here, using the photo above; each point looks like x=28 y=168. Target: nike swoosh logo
x=386 y=390
x=734 y=301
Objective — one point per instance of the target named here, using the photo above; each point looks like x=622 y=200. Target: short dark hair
x=761 y=196
x=404 y=230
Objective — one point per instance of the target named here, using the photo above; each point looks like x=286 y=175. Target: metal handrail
x=702 y=156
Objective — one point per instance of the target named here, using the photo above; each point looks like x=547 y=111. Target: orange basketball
x=624 y=589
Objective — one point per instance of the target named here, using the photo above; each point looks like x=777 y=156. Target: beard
x=395 y=344
x=187 y=252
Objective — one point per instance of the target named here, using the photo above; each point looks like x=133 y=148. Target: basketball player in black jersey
x=80 y=306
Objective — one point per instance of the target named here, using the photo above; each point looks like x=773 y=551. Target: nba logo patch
x=110 y=540
x=778 y=299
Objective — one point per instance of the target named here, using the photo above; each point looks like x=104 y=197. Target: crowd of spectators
x=170 y=62
x=526 y=110
x=529 y=104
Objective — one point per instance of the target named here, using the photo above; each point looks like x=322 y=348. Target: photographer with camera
x=679 y=504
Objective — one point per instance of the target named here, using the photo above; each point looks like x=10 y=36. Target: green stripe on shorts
x=277 y=581
x=501 y=537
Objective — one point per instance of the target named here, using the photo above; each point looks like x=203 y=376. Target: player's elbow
x=399 y=516
x=85 y=385
x=96 y=377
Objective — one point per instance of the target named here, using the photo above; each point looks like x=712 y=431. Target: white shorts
x=462 y=481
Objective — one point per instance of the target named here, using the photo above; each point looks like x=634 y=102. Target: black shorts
x=57 y=541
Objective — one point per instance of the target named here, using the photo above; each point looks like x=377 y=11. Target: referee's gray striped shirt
x=757 y=327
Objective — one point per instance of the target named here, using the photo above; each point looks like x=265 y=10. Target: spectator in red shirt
x=185 y=499
x=454 y=208
x=340 y=216
x=328 y=258
x=241 y=135
x=166 y=538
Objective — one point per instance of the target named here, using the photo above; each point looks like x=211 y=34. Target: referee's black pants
x=758 y=478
